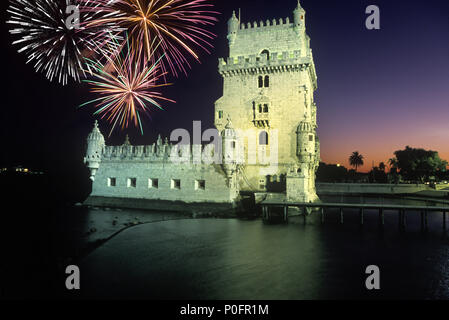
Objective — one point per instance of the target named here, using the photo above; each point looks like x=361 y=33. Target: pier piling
x=426 y=223
x=322 y=215
x=381 y=217
x=402 y=211
x=444 y=220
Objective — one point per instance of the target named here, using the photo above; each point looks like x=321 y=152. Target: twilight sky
x=378 y=90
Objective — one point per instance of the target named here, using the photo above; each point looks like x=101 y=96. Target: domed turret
x=95 y=135
x=299 y=17
x=95 y=146
x=304 y=126
x=305 y=141
x=229 y=141
x=233 y=27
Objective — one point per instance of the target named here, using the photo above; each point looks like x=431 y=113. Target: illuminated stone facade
x=269 y=82
x=266 y=120
x=160 y=171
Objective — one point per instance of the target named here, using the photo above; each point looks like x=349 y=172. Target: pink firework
x=127 y=85
x=172 y=29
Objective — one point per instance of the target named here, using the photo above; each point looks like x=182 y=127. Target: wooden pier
x=380 y=208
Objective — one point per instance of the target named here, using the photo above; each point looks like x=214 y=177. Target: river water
x=246 y=259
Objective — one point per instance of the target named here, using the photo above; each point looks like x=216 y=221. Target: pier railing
x=381 y=208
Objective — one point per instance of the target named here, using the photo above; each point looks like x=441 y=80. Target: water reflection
x=232 y=259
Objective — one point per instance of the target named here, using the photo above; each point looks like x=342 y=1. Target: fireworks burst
x=174 y=25
x=54 y=38
x=126 y=83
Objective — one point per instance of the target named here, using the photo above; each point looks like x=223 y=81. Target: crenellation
x=166 y=152
x=285 y=60
x=261 y=25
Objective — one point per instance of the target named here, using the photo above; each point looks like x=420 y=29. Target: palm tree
x=356 y=160
x=393 y=162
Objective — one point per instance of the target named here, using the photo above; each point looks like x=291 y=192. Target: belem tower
x=266 y=131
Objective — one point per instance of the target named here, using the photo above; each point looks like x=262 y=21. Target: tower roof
x=234 y=15
x=127 y=143
x=298 y=7
x=304 y=126
x=229 y=129
x=229 y=123
x=95 y=134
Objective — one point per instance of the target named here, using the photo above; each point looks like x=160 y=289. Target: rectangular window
x=233 y=144
x=220 y=114
x=132 y=182
x=176 y=184
x=153 y=183
x=112 y=182
x=310 y=137
x=260 y=82
x=200 y=184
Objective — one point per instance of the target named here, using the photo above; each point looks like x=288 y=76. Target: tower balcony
x=275 y=61
x=261 y=120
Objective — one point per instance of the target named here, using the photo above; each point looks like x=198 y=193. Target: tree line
x=413 y=165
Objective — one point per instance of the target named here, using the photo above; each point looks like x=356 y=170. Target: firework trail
x=169 y=28
x=55 y=39
x=126 y=83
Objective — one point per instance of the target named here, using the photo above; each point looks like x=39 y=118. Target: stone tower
x=269 y=82
x=95 y=146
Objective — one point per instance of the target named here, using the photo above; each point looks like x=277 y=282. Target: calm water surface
x=237 y=259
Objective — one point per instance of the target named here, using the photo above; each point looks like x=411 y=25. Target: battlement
x=275 y=61
x=158 y=152
x=270 y=36
x=281 y=23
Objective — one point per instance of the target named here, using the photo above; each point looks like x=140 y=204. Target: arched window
x=265 y=108
x=266 y=82
x=266 y=53
x=263 y=138
x=260 y=82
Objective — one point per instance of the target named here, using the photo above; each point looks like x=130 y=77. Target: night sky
x=378 y=90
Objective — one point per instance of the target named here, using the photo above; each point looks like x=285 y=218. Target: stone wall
x=361 y=188
x=185 y=182
x=277 y=36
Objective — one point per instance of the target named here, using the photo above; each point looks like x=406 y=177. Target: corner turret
x=305 y=141
x=95 y=147
x=299 y=17
x=233 y=27
x=230 y=151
